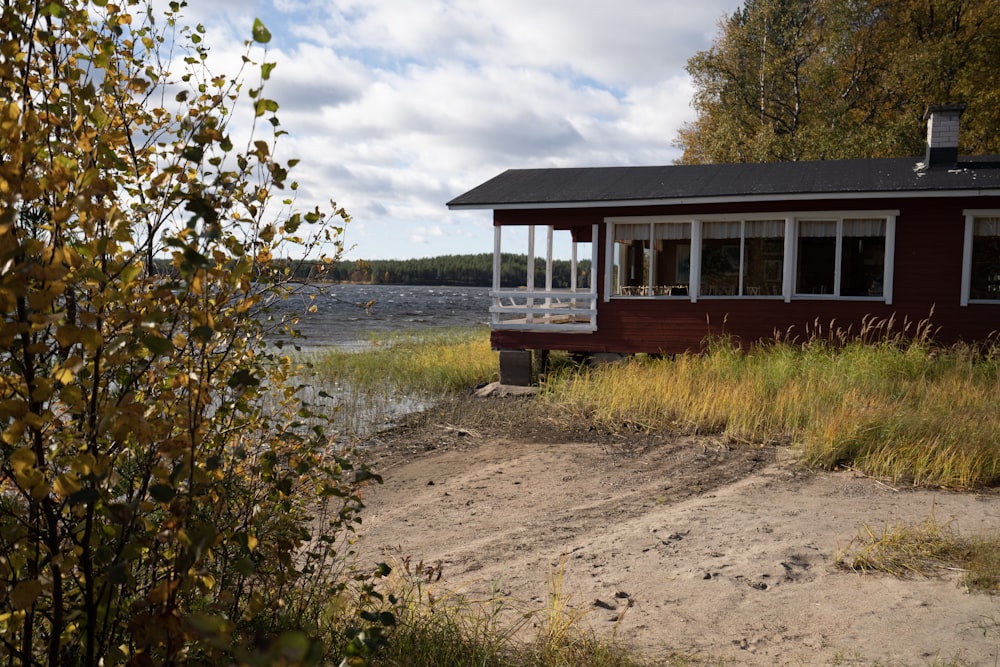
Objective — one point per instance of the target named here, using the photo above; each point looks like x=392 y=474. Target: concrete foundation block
x=515 y=367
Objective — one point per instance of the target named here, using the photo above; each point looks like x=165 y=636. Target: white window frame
x=790 y=258
x=609 y=254
x=888 y=261
x=970 y=222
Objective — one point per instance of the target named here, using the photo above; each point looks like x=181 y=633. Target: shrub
x=154 y=510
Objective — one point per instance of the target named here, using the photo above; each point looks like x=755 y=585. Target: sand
x=673 y=545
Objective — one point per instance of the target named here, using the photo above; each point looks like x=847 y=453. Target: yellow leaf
x=207 y=582
x=42 y=390
x=34 y=421
x=21 y=458
x=66 y=485
x=67 y=334
x=12 y=434
x=83 y=464
x=29 y=478
x=252 y=542
x=91 y=339
x=63 y=375
x=41 y=490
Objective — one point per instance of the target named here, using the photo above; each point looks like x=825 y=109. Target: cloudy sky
x=394 y=107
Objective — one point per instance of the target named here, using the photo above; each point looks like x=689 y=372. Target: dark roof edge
x=677 y=201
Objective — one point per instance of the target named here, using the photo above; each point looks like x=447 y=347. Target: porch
x=541 y=305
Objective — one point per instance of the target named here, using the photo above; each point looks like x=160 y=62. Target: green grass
x=437 y=361
x=395 y=374
x=893 y=407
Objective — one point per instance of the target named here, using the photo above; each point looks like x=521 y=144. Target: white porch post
x=548 y=266
x=531 y=274
x=495 y=319
x=572 y=274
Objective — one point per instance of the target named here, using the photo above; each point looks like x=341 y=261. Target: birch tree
x=154 y=507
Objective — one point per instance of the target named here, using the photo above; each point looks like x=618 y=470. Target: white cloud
x=394 y=107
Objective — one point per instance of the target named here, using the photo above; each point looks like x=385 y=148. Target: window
x=721 y=249
x=742 y=258
x=984 y=277
x=841 y=257
x=651 y=259
x=764 y=257
x=842 y=254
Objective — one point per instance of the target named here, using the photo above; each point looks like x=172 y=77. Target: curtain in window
x=986 y=227
x=672 y=231
x=864 y=227
x=812 y=229
x=633 y=232
x=765 y=229
x=721 y=230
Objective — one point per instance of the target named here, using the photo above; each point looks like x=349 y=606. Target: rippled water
x=347 y=315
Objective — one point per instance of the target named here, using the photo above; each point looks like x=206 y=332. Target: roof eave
x=679 y=201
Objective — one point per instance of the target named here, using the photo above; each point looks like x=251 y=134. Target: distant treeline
x=469 y=270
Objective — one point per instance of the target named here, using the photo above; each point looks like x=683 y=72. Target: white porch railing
x=552 y=310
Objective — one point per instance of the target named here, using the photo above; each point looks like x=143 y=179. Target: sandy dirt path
x=701 y=548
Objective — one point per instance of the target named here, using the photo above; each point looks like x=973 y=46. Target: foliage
x=826 y=79
x=153 y=511
x=894 y=407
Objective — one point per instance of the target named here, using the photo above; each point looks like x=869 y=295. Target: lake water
x=342 y=319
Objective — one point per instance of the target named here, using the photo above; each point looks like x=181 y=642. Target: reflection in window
x=837 y=256
x=720 y=257
x=817 y=257
x=742 y=258
x=985 y=282
x=845 y=262
x=862 y=257
x=763 y=257
x=657 y=266
x=631 y=259
x=672 y=259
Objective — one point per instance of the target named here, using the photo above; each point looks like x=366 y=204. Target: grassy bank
x=398 y=373
x=897 y=411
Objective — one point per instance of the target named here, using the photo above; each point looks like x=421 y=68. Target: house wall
x=927 y=286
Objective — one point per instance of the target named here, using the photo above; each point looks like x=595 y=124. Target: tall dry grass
x=896 y=407
x=442 y=627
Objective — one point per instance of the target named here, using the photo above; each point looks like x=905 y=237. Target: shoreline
x=679 y=545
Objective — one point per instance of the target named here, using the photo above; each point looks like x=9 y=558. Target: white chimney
x=942 y=135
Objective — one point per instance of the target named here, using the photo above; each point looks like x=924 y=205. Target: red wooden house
x=680 y=253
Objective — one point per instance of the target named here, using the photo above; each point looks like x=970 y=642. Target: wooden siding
x=927 y=279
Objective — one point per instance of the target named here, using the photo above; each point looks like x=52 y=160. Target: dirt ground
x=673 y=545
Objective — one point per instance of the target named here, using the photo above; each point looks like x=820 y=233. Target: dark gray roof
x=597 y=186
